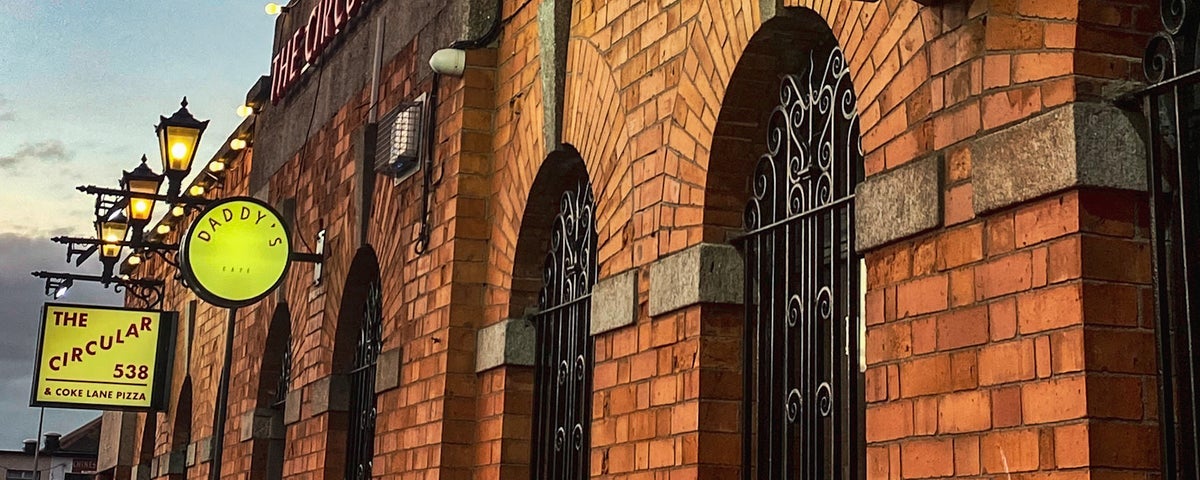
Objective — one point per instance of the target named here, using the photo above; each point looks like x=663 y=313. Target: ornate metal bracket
x=147 y=290
x=84 y=247
x=109 y=200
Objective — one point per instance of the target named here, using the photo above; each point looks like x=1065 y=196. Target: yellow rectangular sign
x=102 y=358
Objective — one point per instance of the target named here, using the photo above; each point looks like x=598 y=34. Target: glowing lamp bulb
x=177 y=211
x=245 y=111
x=196 y=190
x=179 y=150
x=140 y=206
x=163 y=229
x=110 y=238
x=216 y=166
x=237 y=144
x=273 y=9
x=134 y=260
x=61 y=291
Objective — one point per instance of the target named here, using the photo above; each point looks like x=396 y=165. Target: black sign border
x=185 y=265
x=163 y=359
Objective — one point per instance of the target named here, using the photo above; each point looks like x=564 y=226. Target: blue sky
x=82 y=83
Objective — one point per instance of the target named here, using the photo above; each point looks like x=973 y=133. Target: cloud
x=35 y=153
x=6 y=113
x=21 y=298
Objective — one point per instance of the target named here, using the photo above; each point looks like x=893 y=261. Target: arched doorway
x=799 y=149
x=274 y=383
x=181 y=433
x=558 y=232
x=357 y=343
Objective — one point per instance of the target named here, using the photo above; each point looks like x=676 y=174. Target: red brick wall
x=1010 y=332
x=996 y=343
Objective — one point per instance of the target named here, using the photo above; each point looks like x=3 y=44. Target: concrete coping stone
x=899 y=203
x=614 y=302
x=704 y=273
x=1082 y=144
x=507 y=343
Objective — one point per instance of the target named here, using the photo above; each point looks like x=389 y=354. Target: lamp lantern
x=111 y=232
x=141 y=184
x=178 y=136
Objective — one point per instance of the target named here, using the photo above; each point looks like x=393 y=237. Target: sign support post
x=222 y=399
x=37 y=447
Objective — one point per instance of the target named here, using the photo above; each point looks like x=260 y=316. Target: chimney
x=30 y=445
x=52 y=442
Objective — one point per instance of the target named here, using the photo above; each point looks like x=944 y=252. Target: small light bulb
x=273 y=9
x=163 y=229
x=245 y=111
x=216 y=166
x=110 y=238
x=179 y=150
x=196 y=190
x=134 y=260
x=237 y=144
x=177 y=211
x=140 y=206
x=124 y=276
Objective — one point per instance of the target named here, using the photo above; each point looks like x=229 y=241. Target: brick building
x=686 y=239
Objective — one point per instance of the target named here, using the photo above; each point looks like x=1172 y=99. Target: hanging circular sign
x=236 y=252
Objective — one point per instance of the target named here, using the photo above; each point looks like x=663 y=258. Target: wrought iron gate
x=1172 y=105
x=360 y=450
x=563 y=381
x=803 y=385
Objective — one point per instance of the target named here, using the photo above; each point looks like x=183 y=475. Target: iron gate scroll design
x=1172 y=104
x=563 y=382
x=361 y=448
x=803 y=383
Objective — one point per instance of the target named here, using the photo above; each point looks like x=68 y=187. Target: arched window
x=563 y=378
x=149 y=441
x=360 y=451
x=803 y=385
x=181 y=432
x=274 y=383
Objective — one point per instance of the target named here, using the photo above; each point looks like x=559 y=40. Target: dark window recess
x=276 y=448
x=398 y=140
x=285 y=377
x=360 y=451
x=563 y=377
x=18 y=475
x=803 y=387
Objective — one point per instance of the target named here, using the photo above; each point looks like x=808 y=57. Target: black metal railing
x=1171 y=103
x=564 y=357
x=803 y=386
x=360 y=450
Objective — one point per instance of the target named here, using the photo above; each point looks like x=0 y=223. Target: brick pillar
x=1022 y=342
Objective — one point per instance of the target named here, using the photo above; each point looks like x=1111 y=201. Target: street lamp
x=111 y=234
x=177 y=140
x=141 y=185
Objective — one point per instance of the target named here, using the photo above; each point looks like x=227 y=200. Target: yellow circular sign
x=236 y=252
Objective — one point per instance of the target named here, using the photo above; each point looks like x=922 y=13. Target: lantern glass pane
x=111 y=232
x=179 y=147
x=110 y=250
x=141 y=208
